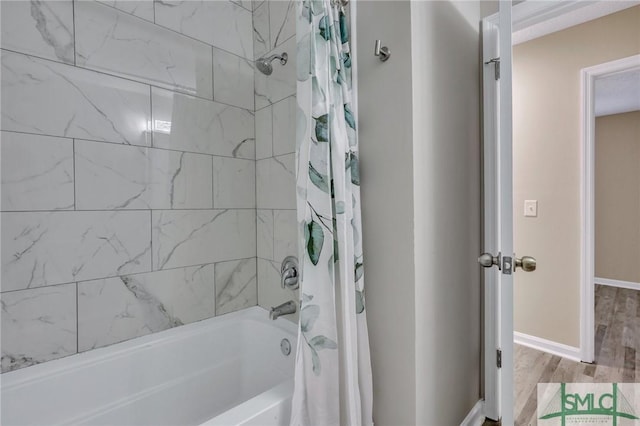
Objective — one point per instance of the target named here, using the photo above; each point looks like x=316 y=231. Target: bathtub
x=227 y=370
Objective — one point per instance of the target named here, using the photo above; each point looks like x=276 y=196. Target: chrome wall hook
x=382 y=51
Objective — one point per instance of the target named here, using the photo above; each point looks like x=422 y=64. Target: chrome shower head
x=264 y=64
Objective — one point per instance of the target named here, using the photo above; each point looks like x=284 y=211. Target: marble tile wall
x=128 y=179
x=275 y=121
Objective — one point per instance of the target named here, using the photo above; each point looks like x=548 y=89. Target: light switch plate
x=531 y=208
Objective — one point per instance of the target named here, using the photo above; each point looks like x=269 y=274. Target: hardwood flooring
x=617 y=349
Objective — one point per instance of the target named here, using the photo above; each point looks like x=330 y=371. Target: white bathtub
x=227 y=370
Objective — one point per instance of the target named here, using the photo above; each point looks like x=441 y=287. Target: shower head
x=264 y=64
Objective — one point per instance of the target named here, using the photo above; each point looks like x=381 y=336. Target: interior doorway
x=548 y=308
x=567 y=328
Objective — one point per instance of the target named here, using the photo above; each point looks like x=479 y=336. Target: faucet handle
x=289 y=273
x=289 y=280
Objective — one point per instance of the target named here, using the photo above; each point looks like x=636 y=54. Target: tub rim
x=34 y=373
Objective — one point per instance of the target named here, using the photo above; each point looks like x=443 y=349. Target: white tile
x=38 y=325
x=234 y=183
x=140 y=8
x=264 y=132
x=186 y=123
x=232 y=79
x=280 y=84
x=41 y=248
x=110 y=176
x=121 y=308
x=247 y=4
x=39 y=28
x=264 y=231
x=285 y=234
x=220 y=23
x=275 y=182
x=282 y=21
x=44 y=97
x=261 y=36
x=284 y=126
x=117 y=43
x=194 y=237
x=270 y=292
x=37 y=172
x=236 y=285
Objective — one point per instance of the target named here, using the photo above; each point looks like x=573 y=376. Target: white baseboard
x=475 y=416
x=617 y=283
x=548 y=346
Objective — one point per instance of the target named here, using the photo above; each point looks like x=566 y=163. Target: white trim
x=491 y=222
x=533 y=19
x=549 y=346
x=617 y=283
x=506 y=282
x=475 y=416
x=588 y=77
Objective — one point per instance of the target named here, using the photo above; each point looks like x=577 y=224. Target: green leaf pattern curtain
x=333 y=370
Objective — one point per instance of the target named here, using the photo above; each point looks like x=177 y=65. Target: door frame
x=530 y=20
x=588 y=77
x=490 y=225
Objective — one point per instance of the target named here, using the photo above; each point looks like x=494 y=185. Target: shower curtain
x=333 y=370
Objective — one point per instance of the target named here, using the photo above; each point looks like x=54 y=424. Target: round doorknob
x=488 y=260
x=527 y=263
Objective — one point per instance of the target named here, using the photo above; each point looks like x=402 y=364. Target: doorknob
x=527 y=263
x=488 y=260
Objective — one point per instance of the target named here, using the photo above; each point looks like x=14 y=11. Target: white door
x=499 y=259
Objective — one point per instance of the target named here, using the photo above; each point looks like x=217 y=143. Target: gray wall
x=386 y=149
x=419 y=143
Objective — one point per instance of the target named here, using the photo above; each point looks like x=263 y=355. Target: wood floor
x=617 y=349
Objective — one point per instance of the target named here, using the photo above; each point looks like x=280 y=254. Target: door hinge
x=499 y=358
x=496 y=62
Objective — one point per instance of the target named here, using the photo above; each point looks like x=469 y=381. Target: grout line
x=107 y=210
x=150 y=131
x=75 y=197
x=213 y=77
x=168 y=88
x=77 y=321
x=213 y=192
x=272 y=132
x=73 y=16
x=269 y=46
x=275 y=102
x=128 y=275
x=39 y=287
x=162 y=27
x=151 y=236
x=273 y=233
x=130 y=145
x=215 y=293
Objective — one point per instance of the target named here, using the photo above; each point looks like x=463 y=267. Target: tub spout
x=286 y=308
